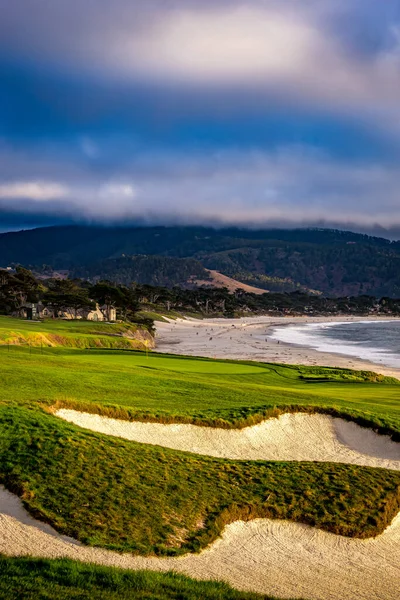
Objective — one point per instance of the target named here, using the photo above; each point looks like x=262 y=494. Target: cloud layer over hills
x=187 y=111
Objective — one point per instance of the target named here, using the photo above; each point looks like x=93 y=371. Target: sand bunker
x=285 y=559
x=297 y=437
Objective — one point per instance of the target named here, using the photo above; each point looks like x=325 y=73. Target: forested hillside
x=331 y=262
x=152 y=270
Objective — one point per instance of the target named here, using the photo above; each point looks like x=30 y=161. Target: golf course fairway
x=206 y=516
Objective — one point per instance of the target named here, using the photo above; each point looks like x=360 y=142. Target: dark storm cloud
x=201 y=111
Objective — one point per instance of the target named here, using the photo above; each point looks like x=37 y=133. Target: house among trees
x=32 y=311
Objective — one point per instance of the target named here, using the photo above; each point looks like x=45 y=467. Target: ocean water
x=375 y=341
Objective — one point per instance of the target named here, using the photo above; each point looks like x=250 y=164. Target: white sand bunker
x=284 y=559
x=297 y=437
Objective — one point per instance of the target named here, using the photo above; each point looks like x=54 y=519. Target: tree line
x=220 y=302
x=19 y=287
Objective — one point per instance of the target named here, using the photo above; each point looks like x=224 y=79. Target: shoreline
x=249 y=338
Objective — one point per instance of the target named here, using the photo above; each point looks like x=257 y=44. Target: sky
x=223 y=112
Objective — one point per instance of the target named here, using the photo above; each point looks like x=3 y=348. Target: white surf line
x=308 y=336
x=291 y=437
x=285 y=559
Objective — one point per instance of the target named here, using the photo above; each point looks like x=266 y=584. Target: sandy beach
x=249 y=338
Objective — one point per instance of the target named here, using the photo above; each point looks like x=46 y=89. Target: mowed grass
x=132 y=385
x=29 y=579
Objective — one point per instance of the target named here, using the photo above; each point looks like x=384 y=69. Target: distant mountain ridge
x=334 y=262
